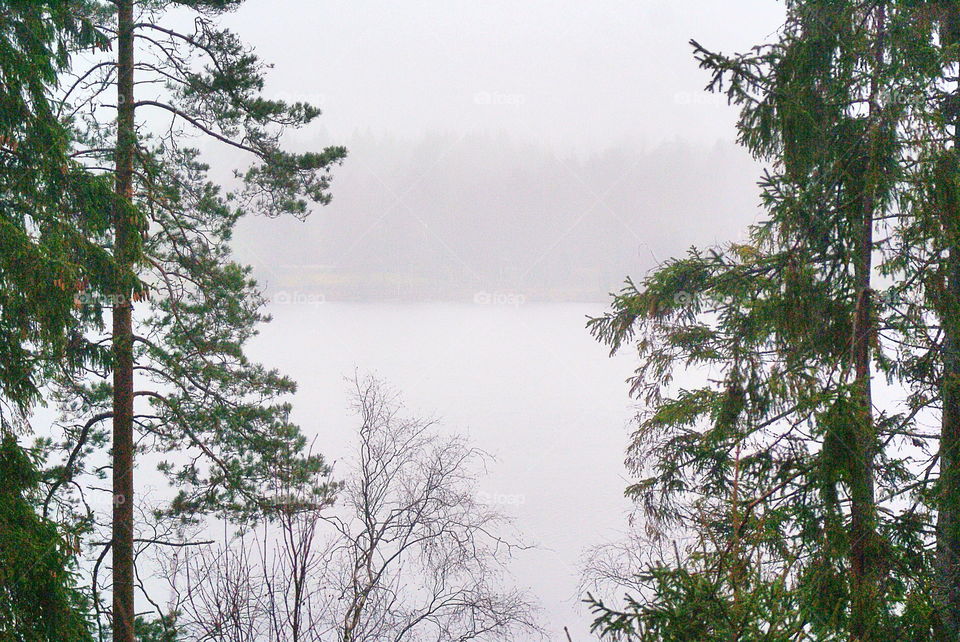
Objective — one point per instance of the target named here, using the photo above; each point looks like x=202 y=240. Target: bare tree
x=613 y=568
x=258 y=586
x=221 y=601
x=409 y=553
x=419 y=557
x=292 y=559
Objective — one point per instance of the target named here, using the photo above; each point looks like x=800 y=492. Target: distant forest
x=485 y=218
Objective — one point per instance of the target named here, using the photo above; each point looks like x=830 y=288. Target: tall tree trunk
x=864 y=554
x=124 y=228
x=864 y=558
x=948 y=516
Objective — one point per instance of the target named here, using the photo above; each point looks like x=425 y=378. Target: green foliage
x=210 y=398
x=695 y=604
x=53 y=215
x=758 y=457
x=52 y=212
x=162 y=629
x=39 y=598
x=218 y=423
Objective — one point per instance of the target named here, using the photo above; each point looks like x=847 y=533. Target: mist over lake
x=526 y=383
x=448 y=217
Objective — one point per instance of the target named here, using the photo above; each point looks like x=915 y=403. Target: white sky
x=572 y=73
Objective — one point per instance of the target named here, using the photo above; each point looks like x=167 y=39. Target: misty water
x=526 y=382
x=461 y=271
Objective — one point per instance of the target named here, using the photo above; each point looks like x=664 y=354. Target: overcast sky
x=571 y=73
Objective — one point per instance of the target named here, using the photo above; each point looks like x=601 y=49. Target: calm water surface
x=527 y=383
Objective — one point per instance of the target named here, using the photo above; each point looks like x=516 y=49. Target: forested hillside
x=447 y=217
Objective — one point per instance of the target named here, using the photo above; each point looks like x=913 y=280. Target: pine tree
x=182 y=310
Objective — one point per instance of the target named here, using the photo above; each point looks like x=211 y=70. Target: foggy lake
x=527 y=383
x=293 y=320
x=294 y=301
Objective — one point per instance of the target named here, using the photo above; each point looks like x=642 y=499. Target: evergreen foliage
x=39 y=598
x=788 y=475
x=51 y=213
x=174 y=377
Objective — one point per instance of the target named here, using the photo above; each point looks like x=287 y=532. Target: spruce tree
x=39 y=598
x=947 y=191
x=785 y=332
x=51 y=210
x=928 y=258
